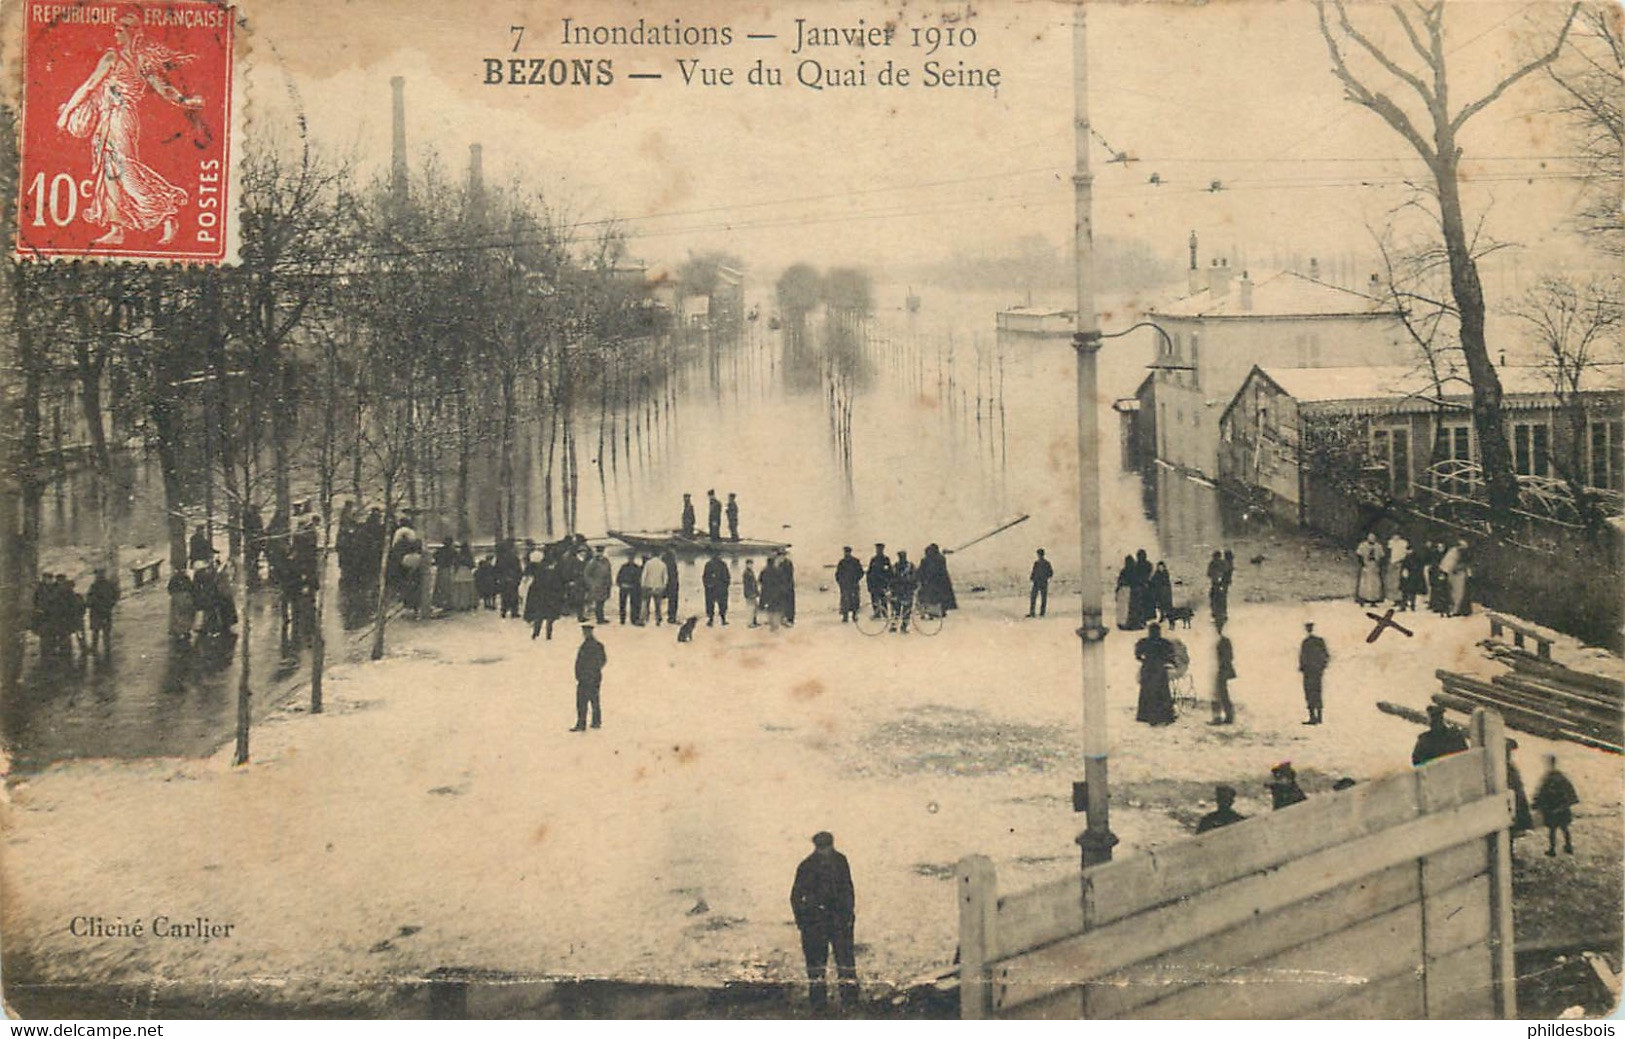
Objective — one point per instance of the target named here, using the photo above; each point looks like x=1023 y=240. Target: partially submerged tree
x=1434 y=134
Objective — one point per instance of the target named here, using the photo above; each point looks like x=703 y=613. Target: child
x=1554 y=800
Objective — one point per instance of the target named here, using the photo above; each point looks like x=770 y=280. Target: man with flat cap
x=590 y=661
x=1223 y=815
x=879 y=580
x=1439 y=739
x=848 y=575
x=1313 y=659
x=823 y=904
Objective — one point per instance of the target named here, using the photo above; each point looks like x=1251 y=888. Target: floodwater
x=935 y=429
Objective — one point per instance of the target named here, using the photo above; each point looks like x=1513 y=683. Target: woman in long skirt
x=1125 y=593
x=1368 y=588
x=1155 y=653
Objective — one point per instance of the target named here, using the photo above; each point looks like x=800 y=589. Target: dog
x=686 y=632
x=1180 y=613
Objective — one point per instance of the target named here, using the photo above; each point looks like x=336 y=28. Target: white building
x=1226 y=326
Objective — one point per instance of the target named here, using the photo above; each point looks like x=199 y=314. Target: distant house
x=1225 y=326
x=1405 y=425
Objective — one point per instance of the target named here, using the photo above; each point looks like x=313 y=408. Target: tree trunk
x=505 y=481
x=1495 y=455
x=383 y=569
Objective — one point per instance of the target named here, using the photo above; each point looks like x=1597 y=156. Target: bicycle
x=923 y=616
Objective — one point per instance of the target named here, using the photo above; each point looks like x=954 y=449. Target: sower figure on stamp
x=590 y=661
x=1313 y=659
x=126 y=193
x=824 y=907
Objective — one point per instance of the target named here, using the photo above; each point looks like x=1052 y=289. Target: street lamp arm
x=1168 y=340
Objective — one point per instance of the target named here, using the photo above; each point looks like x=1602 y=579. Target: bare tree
x=1577 y=326
x=1590 y=75
x=1435 y=137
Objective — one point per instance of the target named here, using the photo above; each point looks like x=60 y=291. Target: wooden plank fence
x=1392 y=899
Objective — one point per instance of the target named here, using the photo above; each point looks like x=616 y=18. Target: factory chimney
x=397 y=153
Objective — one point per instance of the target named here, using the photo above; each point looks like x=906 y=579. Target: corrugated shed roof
x=1310 y=385
x=1282 y=294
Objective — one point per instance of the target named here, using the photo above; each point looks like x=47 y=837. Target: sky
x=1238 y=93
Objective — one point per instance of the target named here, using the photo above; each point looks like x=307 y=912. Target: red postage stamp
x=126 y=135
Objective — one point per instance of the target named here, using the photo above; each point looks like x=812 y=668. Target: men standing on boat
x=733 y=517
x=715 y=579
x=713 y=515
x=688 y=515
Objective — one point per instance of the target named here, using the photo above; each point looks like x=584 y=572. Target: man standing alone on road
x=590 y=661
x=824 y=907
x=1313 y=658
x=1039 y=599
x=1224 y=712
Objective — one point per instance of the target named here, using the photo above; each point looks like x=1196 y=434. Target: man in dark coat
x=715 y=579
x=1283 y=787
x=1555 y=800
x=1224 y=814
x=1218 y=587
x=1313 y=658
x=733 y=517
x=787 y=587
x=936 y=586
x=669 y=557
x=848 y=575
x=1155 y=653
x=713 y=515
x=629 y=579
x=200 y=550
x=1438 y=740
x=825 y=912
x=508 y=572
x=879 y=580
x=544 y=600
x=1224 y=712
x=590 y=661
x=905 y=580
x=1038 y=598
x=688 y=515
x=100 y=599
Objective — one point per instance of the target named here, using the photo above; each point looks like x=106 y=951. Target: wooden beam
x=1489 y=734
x=977 y=888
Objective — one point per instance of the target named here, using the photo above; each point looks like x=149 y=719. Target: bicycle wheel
x=871 y=621
x=927 y=618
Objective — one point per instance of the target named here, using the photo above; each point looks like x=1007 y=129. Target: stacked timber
x=1544 y=699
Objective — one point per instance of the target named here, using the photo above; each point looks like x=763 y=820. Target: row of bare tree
x=376 y=341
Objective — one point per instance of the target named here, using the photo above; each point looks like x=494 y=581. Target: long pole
x=1097 y=839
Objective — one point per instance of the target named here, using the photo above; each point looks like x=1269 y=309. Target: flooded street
x=941 y=431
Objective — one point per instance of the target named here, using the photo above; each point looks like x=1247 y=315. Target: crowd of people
x=895 y=587
x=1401 y=572
x=1145 y=592
x=60 y=612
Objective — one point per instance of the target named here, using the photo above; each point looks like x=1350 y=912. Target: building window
x=1606 y=455
x=1196 y=364
x=1455 y=444
x=1531 y=449
x=1391 y=451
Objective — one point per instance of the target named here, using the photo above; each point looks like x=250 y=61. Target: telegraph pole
x=1097 y=838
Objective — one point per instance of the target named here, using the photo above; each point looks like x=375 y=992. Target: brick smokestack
x=397 y=149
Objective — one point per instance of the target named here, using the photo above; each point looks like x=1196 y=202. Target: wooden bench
x=145 y=572
x=1543 y=644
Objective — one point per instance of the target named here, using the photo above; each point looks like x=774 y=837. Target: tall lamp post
x=1097 y=839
